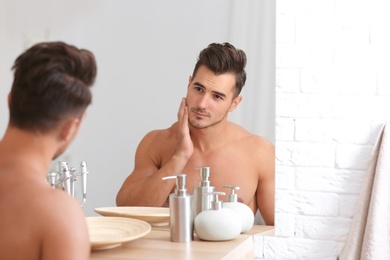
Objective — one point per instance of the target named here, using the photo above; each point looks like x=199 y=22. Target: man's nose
x=202 y=101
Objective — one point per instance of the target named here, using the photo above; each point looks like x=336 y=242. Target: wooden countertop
x=157 y=245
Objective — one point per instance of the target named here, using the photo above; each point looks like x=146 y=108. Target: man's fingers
x=181 y=109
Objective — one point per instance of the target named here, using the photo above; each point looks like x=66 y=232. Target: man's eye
x=198 y=89
x=218 y=97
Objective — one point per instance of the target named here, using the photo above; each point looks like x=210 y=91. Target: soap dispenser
x=180 y=209
x=217 y=223
x=245 y=212
x=202 y=202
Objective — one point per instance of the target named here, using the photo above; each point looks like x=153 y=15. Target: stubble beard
x=200 y=124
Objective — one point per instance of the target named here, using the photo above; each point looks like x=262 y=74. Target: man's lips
x=198 y=114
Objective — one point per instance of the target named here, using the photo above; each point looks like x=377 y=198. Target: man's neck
x=23 y=148
x=207 y=139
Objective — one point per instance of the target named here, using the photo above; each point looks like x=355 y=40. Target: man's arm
x=266 y=185
x=144 y=186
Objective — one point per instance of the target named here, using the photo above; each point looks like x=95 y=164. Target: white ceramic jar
x=246 y=214
x=217 y=223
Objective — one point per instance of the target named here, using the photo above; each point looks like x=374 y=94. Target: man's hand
x=185 y=147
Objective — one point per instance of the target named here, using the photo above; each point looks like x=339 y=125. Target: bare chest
x=226 y=168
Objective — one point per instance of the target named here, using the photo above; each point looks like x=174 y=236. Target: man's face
x=210 y=97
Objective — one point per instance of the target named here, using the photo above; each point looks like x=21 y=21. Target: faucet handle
x=84 y=173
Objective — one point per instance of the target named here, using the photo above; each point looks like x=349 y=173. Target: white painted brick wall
x=332 y=97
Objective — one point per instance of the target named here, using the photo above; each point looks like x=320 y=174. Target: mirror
x=145 y=52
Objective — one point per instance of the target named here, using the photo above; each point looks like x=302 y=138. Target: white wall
x=146 y=51
x=332 y=96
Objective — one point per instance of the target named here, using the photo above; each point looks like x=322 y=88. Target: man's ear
x=236 y=101
x=9 y=99
x=70 y=129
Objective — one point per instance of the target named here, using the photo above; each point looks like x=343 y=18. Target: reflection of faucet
x=84 y=173
x=66 y=177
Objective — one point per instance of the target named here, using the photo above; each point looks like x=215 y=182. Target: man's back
x=36 y=220
x=47 y=102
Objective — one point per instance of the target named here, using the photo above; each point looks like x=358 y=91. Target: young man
x=47 y=102
x=203 y=136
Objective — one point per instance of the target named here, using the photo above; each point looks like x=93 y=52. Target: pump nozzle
x=215 y=203
x=232 y=197
x=204 y=173
x=181 y=180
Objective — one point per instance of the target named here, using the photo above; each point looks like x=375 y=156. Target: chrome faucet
x=65 y=177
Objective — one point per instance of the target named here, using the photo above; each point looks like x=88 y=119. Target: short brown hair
x=52 y=80
x=224 y=58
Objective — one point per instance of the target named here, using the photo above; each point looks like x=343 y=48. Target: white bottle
x=217 y=223
x=246 y=214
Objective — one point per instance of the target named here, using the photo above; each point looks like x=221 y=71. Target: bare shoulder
x=60 y=201
x=161 y=134
x=55 y=221
x=159 y=138
x=64 y=216
x=262 y=144
x=256 y=149
x=59 y=211
x=252 y=142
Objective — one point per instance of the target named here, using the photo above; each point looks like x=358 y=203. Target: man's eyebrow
x=199 y=84
x=215 y=92
x=219 y=94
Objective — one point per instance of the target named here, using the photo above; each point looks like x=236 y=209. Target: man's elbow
x=120 y=199
x=269 y=220
x=270 y=223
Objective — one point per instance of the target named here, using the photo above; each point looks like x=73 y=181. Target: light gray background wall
x=146 y=51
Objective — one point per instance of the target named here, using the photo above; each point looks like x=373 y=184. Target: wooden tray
x=156 y=216
x=110 y=232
